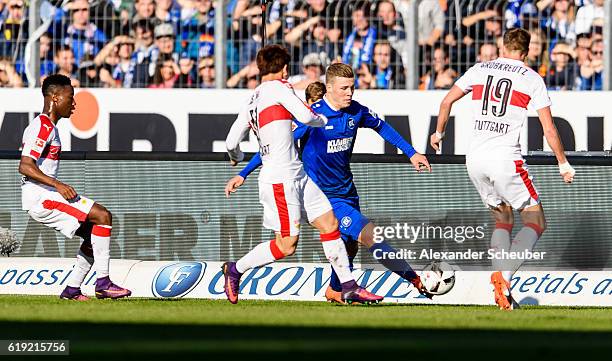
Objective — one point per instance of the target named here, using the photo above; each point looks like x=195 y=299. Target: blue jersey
x=327 y=151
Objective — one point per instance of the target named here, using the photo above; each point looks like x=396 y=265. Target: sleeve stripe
x=46 y=126
x=519 y=99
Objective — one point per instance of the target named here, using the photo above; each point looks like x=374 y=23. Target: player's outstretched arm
x=391 y=135
x=28 y=168
x=451 y=97
x=554 y=141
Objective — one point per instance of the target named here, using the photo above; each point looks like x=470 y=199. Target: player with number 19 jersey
x=502 y=90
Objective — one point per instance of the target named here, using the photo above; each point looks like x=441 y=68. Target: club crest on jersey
x=351 y=123
x=346 y=221
x=339 y=145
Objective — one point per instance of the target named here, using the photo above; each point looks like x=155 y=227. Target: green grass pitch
x=306 y=330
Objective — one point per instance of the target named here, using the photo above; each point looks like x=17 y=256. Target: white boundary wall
x=300 y=282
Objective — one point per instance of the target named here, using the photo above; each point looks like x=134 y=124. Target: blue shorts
x=350 y=219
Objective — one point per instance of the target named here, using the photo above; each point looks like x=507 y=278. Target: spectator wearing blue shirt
x=359 y=45
x=81 y=35
x=559 y=21
x=126 y=48
x=166 y=11
x=138 y=73
x=144 y=59
x=521 y=14
x=197 y=32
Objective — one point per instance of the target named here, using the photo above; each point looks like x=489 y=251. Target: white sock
x=500 y=240
x=262 y=254
x=335 y=251
x=80 y=270
x=100 y=242
x=525 y=239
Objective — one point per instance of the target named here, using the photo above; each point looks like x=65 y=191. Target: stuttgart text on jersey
x=491 y=126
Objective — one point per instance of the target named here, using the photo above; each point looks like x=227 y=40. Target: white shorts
x=503 y=181
x=54 y=211
x=285 y=203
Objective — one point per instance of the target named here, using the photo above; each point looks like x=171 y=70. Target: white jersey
x=40 y=142
x=502 y=90
x=269 y=114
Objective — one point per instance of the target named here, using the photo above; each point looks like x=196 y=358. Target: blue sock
x=398 y=266
x=334 y=282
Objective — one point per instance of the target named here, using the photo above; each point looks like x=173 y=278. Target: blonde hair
x=338 y=70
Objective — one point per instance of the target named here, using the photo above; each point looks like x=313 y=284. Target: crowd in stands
x=171 y=43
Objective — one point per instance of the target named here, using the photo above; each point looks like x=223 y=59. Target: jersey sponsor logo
x=351 y=123
x=177 y=279
x=495 y=127
x=373 y=113
x=47 y=127
x=346 y=221
x=339 y=145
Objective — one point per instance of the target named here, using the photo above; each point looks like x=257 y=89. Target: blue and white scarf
x=363 y=55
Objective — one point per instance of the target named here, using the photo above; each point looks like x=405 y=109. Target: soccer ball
x=438 y=277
